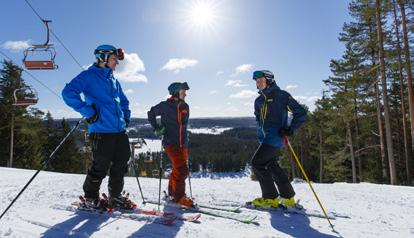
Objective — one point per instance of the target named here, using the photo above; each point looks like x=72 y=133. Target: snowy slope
x=373 y=210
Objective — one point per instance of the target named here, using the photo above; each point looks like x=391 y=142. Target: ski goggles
x=120 y=53
x=261 y=74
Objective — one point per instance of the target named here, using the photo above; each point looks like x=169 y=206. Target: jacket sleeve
x=299 y=113
x=124 y=104
x=256 y=110
x=71 y=96
x=153 y=113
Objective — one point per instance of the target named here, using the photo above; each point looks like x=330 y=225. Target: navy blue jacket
x=99 y=87
x=174 y=116
x=271 y=111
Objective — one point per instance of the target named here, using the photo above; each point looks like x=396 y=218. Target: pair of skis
x=226 y=212
x=135 y=213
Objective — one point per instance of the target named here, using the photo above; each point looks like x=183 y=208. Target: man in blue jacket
x=106 y=110
x=174 y=114
x=271 y=111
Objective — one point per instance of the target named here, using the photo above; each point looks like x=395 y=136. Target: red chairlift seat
x=39 y=65
x=25 y=97
x=148 y=161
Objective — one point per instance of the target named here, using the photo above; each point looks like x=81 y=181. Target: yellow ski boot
x=288 y=202
x=266 y=202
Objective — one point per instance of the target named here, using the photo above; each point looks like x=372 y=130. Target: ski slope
x=366 y=210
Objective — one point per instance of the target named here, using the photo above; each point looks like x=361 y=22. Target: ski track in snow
x=373 y=210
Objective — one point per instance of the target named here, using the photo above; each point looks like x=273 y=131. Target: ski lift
x=155 y=173
x=26 y=96
x=148 y=158
x=35 y=64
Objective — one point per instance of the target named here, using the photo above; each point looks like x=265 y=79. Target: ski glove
x=285 y=131
x=160 y=131
x=95 y=116
x=126 y=123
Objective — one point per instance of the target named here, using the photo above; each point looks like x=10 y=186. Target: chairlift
x=26 y=96
x=36 y=64
x=148 y=160
x=155 y=173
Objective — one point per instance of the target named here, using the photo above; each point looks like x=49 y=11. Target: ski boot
x=288 y=202
x=92 y=203
x=266 y=202
x=185 y=201
x=121 y=202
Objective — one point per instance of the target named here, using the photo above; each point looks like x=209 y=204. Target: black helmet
x=175 y=87
x=266 y=74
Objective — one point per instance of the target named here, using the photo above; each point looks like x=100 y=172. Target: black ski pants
x=110 y=151
x=268 y=172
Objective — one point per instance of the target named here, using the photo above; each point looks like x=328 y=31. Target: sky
x=213 y=45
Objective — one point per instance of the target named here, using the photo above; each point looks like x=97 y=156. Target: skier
x=271 y=111
x=174 y=114
x=106 y=109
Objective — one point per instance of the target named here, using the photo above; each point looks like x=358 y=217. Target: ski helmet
x=266 y=74
x=175 y=87
x=102 y=52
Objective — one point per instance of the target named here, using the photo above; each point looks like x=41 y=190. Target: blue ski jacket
x=102 y=94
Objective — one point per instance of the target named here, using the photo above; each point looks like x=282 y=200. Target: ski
x=219 y=207
x=235 y=209
x=216 y=213
x=295 y=210
x=183 y=217
x=138 y=216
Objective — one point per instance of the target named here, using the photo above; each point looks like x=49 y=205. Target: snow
x=368 y=210
x=151 y=146
x=207 y=130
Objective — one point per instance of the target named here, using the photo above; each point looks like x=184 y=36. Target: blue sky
x=213 y=45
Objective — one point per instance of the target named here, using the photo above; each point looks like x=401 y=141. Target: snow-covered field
x=368 y=210
x=208 y=130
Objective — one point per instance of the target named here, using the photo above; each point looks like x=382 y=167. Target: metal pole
x=307 y=179
x=160 y=175
x=135 y=169
x=11 y=139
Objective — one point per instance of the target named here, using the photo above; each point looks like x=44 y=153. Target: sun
x=202 y=15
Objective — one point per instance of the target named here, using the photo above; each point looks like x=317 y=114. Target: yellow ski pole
x=307 y=179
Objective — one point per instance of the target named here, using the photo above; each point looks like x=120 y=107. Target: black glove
x=95 y=116
x=285 y=131
x=126 y=123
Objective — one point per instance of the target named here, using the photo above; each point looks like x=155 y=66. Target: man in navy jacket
x=106 y=109
x=271 y=111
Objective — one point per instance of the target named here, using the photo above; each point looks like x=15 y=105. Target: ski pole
x=135 y=169
x=43 y=165
x=189 y=169
x=160 y=175
x=307 y=179
x=139 y=184
x=189 y=177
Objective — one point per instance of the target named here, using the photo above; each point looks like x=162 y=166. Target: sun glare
x=202 y=15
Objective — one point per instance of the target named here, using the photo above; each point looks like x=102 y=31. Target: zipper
x=263 y=113
x=180 y=123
